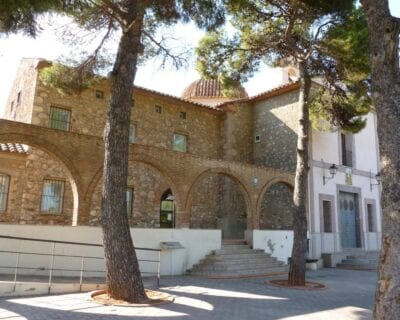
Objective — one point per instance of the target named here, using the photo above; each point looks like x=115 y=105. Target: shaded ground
x=349 y=295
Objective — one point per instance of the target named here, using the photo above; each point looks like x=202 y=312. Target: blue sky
x=168 y=80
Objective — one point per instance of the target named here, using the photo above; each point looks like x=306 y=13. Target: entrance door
x=349 y=222
x=167 y=214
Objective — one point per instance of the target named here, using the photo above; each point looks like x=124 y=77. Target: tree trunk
x=384 y=43
x=297 y=272
x=123 y=275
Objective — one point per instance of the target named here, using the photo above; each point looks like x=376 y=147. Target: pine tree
x=295 y=32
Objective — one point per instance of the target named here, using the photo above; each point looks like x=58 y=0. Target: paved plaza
x=348 y=295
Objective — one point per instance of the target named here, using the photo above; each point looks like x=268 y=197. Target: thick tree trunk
x=297 y=272
x=384 y=43
x=123 y=275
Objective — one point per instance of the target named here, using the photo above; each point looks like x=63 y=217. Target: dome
x=209 y=89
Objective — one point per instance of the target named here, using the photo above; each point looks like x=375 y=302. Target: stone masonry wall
x=148 y=185
x=24 y=85
x=40 y=166
x=277 y=208
x=13 y=165
x=275 y=120
x=88 y=115
x=238 y=134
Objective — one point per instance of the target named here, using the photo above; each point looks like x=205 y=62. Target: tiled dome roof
x=208 y=88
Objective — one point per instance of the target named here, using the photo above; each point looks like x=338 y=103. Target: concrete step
x=356 y=267
x=241 y=273
x=237 y=251
x=360 y=261
x=235 y=267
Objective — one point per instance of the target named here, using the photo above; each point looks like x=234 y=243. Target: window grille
x=52 y=196
x=132 y=133
x=4 y=183
x=179 y=142
x=60 y=118
x=129 y=202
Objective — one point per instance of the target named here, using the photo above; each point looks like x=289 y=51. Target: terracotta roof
x=14 y=147
x=287 y=87
x=135 y=87
x=208 y=88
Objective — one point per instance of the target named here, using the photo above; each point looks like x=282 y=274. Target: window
x=158 y=108
x=132 y=133
x=4 y=182
x=179 y=142
x=182 y=115
x=327 y=215
x=129 y=201
x=257 y=138
x=13 y=110
x=52 y=196
x=347 y=149
x=99 y=94
x=60 y=118
x=19 y=94
x=371 y=219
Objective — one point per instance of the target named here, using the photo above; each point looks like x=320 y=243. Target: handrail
x=69 y=242
x=82 y=269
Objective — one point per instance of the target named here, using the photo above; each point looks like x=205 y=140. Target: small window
x=13 y=110
x=179 y=142
x=371 y=217
x=52 y=196
x=99 y=94
x=327 y=215
x=129 y=202
x=60 y=118
x=182 y=115
x=4 y=183
x=19 y=94
x=158 y=108
x=257 y=138
x=132 y=133
x=347 y=149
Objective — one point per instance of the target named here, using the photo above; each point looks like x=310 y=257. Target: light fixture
x=332 y=170
x=377 y=179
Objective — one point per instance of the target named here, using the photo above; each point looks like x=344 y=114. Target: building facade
x=200 y=161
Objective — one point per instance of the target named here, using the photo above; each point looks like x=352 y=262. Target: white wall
x=276 y=242
x=196 y=243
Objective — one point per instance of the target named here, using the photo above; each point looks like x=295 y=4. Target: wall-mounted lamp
x=332 y=170
x=377 y=179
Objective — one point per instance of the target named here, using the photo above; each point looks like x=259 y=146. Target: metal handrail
x=53 y=255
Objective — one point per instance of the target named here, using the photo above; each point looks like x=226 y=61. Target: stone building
x=199 y=161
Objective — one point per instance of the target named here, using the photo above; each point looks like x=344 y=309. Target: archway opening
x=276 y=209
x=167 y=210
x=217 y=202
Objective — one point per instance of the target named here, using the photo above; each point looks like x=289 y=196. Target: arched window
x=4 y=183
x=167 y=210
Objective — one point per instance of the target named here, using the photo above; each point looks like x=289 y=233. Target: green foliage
x=330 y=37
x=20 y=15
x=68 y=80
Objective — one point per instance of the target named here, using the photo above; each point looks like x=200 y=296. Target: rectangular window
x=19 y=94
x=132 y=133
x=52 y=196
x=158 y=108
x=4 y=183
x=99 y=94
x=60 y=118
x=371 y=219
x=179 y=142
x=257 y=138
x=327 y=215
x=182 y=115
x=347 y=149
x=129 y=201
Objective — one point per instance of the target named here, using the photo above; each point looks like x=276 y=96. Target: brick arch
x=226 y=172
x=280 y=179
x=152 y=163
x=57 y=153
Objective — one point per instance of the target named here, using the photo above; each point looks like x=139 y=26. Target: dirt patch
x=283 y=283
x=154 y=298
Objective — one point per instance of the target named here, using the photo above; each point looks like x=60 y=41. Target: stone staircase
x=237 y=260
x=359 y=260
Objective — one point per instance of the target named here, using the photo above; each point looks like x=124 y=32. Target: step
x=245 y=272
x=233 y=241
x=238 y=256
x=356 y=267
x=236 y=251
x=357 y=261
x=249 y=260
x=236 y=267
